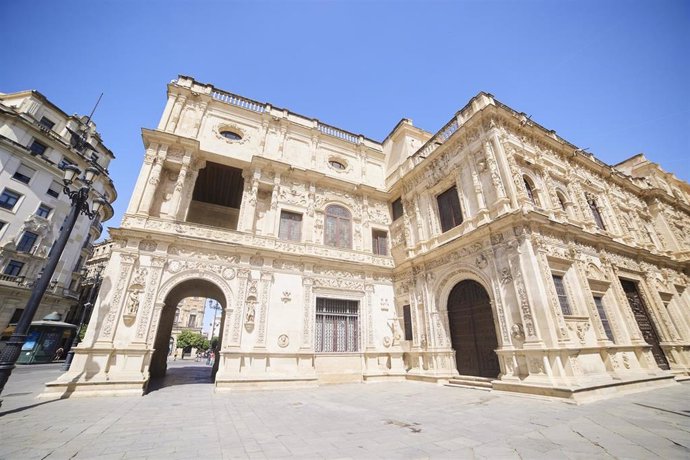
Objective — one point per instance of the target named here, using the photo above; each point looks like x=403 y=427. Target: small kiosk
x=45 y=337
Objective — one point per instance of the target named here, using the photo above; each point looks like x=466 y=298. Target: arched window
x=338 y=230
x=529 y=186
x=561 y=200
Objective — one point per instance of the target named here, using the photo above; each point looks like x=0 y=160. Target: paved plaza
x=183 y=418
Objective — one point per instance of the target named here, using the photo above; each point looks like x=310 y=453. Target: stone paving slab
x=381 y=420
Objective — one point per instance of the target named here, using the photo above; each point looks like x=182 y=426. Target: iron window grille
x=562 y=296
x=337 y=325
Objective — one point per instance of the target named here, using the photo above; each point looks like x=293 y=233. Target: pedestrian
x=58 y=353
x=208 y=357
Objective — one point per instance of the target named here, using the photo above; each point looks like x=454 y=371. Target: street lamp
x=79 y=202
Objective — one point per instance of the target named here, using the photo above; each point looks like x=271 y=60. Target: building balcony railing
x=221 y=235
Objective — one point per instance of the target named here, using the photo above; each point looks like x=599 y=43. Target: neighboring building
x=36 y=140
x=189 y=316
x=492 y=250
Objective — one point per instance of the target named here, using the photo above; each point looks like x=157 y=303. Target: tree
x=189 y=339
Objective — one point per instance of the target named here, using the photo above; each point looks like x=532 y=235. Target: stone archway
x=194 y=287
x=472 y=330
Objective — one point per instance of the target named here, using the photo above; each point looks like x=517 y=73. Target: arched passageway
x=194 y=373
x=472 y=330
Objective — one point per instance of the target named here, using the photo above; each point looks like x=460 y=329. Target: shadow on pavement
x=188 y=374
x=30 y=406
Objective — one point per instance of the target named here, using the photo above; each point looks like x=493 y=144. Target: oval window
x=233 y=136
x=335 y=164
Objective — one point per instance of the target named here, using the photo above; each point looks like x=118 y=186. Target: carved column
x=175 y=115
x=145 y=316
x=149 y=190
x=142 y=179
x=188 y=189
x=478 y=192
x=266 y=281
x=243 y=279
x=308 y=315
x=369 y=294
x=532 y=335
x=109 y=308
x=500 y=205
x=504 y=170
x=272 y=214
x=179 y=187
x=248 y=211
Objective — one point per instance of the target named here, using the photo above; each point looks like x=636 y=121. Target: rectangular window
x=379 y=242
x=449 y=209
x=407 y=322
x=8 y=199
x=14 y=268
x=604 y=319
x=337 y=325
x=16 y=315
x=191 y=322
x=562 y=296
x=94 y=157
x=46 y=123
x=397 y=208
x=290 y=226
x=54 y=189
x=24 y=174
x=27 y=242
x=44 y=211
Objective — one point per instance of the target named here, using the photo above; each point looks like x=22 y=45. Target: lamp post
x=79 y=201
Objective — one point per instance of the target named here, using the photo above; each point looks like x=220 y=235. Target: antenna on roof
x=94 y=109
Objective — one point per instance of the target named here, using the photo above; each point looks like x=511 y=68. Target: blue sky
x=611 y=76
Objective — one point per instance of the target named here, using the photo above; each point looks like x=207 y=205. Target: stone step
x=470 y=381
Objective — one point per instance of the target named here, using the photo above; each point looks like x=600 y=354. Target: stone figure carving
x=133 y=302
x=517 y=331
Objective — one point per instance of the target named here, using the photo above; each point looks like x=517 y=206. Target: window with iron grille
x=191 y=322
x=397 y=208
x=379 y=242
x=449 y=209
x=407 y=321
x=24 y=174
x=27 y=242
x=337 y=325
x=14 y=268
x=8 y=199
x=562 y=296
x=604 y=319
x=290 y=226
x=595 y=212
x=338 y=228
x=37 y=148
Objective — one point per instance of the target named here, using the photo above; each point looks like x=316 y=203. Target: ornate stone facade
x=338 y=258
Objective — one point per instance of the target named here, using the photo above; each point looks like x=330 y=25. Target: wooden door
x=649 y=333
x=472 y=330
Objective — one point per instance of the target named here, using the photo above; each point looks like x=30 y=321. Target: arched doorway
x=472 y=330
x=169 y=316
